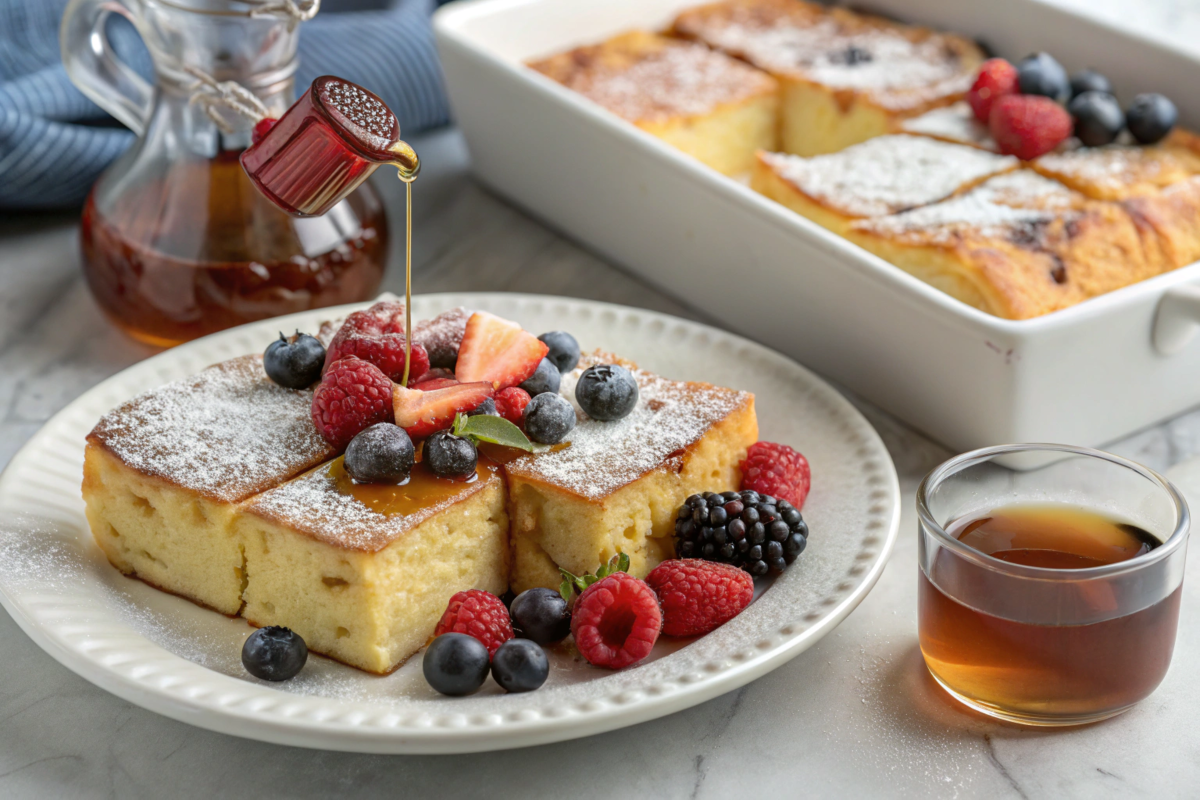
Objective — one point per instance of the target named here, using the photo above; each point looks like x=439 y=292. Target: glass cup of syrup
x=1049 y=595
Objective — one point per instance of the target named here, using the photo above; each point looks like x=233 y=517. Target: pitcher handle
x=93 y=66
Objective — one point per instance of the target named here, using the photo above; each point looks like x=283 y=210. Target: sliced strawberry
x=421 y=413
x=497 y=351
x=430 y=384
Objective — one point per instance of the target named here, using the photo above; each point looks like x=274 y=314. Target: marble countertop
x=856 y=715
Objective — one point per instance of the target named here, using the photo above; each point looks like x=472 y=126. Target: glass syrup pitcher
x=177 y=239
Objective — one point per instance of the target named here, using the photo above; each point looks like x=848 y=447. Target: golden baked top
x=898 y=67
x=326 y=505
x=227 y=432
x=643 y=77
x=1118 y=172
x=1026 y=244
x=670 y=416
x=1001 y=207
x=887 y=174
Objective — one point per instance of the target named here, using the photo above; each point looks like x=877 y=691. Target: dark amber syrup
x=422 y=490
x=1047 y=669
x=201 y=250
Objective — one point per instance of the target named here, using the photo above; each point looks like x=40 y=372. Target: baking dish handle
x=1177 y=318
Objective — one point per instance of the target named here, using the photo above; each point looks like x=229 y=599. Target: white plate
x=172 y=657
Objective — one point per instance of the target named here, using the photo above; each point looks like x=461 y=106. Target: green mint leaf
x=622 y=563
x=496 y=430
x=566 y=589
x=460 y=420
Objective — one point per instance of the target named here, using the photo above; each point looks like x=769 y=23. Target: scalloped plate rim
x=337 y=734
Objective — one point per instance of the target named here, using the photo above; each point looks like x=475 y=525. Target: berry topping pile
x=564 y=350
x=754 y=532
x=1023 y=108
x=450 y=456
x=616 y=621
x=497 y=351
x=549 y=418
x=777 y=470
x=383 y=453
x=699 y=596
x=353 y=396
x=606 y=392
x=422 y=412
x=480 y=614
x=294 y=363
x=377 y=335
x=510 y=404
x=274 y=654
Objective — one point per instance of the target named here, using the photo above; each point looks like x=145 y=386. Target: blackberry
x=752 y=531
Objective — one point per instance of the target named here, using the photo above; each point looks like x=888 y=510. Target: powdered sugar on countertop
x=888 y=174
x=604 y=456
x=226 y=432
x=992 y=208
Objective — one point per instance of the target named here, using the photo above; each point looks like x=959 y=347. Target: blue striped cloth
x=54 y=142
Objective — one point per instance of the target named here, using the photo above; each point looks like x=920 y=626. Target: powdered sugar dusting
x=676 y=79
x=669 y=417
x=887 y=174
x=1116 y=171
x=952 y=123
x=312 y=504
x=898 y=67
x=227 y=432
x=993 y=208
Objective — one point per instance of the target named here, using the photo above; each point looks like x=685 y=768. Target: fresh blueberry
x=541 y=615
x=487 y=407
x=520 y=665
x=606 y=392
x=294 y=363
x=549 y=418
x=545 y=379
x=450 y=456
x=1088 y=80
x=1150 y=117
x=1041 y=74
x=1098 y=118
x=382 y=453
x=274 y=654
x=455 y=664
x=564 y=350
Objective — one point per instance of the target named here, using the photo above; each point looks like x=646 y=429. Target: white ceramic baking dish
x=1085 y=375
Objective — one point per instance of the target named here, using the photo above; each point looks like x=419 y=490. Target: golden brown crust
x=902 y=69
x=1017 y=247
x=647 y=79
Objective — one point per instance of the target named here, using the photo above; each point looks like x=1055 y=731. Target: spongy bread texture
x=370 y=606
x=619 y=485
x=165 y=472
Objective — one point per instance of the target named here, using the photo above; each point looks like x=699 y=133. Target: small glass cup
x=1041 y=646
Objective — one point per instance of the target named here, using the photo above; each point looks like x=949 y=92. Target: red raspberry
x=997 y=78
x=510 y=404
x=776 y=470
x=480 y=614
x=698 y=596
x=616 y=621
x=353 y=396
x=261 y=129
x=377 y=335
x=1027 y=126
